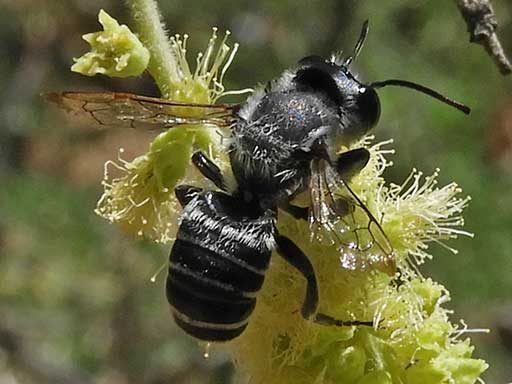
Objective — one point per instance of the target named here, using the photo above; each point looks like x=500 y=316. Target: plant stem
x=150 y=28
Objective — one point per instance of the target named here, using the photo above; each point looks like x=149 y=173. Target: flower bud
x=115 y=52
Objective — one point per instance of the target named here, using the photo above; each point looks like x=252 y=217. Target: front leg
x=347 y=164
x=350 y=163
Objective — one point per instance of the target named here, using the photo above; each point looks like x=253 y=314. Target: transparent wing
x=339 y=216
x=135 y=111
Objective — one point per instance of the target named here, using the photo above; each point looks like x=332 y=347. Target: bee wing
x=135 y=111
x=339 y=216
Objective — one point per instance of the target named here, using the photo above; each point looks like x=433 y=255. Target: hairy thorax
x=272 y=144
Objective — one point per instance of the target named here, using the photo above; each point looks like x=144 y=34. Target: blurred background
x=76 y=301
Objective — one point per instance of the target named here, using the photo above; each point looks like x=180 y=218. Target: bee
x=282 y=142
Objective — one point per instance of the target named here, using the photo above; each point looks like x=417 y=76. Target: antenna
x=359 y=45
x=420 y=88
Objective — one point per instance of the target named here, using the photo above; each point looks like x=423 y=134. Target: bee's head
x=358 y=103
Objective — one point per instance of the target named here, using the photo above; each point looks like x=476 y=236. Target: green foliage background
x=76 y=303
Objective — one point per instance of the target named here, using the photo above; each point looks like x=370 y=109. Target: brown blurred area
x=499 y=146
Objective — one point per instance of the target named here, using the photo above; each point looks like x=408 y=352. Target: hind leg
x=293 y=255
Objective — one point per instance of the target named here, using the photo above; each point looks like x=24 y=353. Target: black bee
x=282 y=141
x=219 y=259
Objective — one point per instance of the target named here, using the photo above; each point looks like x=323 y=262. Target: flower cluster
x=412 y=341
x=141 y=198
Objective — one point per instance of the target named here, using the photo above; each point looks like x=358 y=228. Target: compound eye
x=368 y=106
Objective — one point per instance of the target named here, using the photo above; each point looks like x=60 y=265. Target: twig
x=482 y=23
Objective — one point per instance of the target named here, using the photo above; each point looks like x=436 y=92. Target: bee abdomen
x=212 y=293
x=206 y=318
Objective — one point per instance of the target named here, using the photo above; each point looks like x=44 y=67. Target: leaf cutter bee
x=281 y=142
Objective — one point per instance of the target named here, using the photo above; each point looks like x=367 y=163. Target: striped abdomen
x=217 y=266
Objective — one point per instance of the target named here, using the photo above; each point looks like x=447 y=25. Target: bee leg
x=293 y=255
x=185 y=193
x=350 y=163
x=209 y=169
x=324 y=319
x=299 y=213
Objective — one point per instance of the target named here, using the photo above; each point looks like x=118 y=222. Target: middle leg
x=209 y=169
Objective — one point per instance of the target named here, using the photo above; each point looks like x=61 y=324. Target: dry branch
x=482 y=23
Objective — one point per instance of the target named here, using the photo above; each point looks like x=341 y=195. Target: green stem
x=150 y=28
